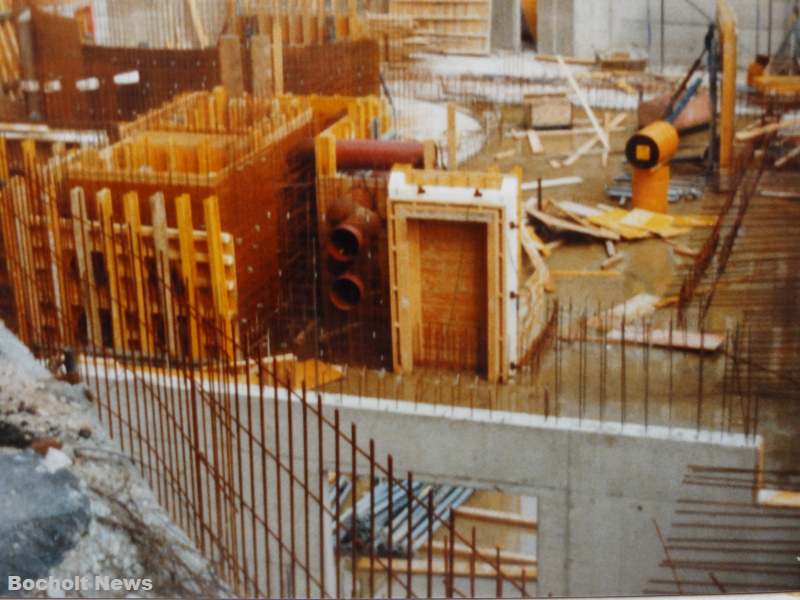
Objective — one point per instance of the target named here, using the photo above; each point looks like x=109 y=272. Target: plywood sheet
x=450 y=264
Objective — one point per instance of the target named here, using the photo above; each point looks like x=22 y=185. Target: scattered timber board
x=681 y=340
x=556 y=223
x=496 y=517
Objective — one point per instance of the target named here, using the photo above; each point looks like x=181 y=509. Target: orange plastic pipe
x=651 y=188
x=653 y=145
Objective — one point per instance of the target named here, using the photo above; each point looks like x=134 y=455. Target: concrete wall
x=597 y=25
x=599 y=487
x=506 y=24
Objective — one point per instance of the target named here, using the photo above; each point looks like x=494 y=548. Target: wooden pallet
x=452 y=26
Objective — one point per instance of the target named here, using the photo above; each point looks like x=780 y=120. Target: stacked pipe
x=354 y=224
x=445 y=499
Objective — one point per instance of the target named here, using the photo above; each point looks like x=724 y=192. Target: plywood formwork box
x=454 y=270
x=247 y=152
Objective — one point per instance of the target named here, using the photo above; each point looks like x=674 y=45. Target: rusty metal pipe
x=346 y=291
x=350 y=237
x=354 y=224
x=378 y=154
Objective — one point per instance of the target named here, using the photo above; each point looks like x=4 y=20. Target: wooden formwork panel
x=451 y=26
x=449 y=259
x=416 y=339
x=250 y=153
x=111 y=281
x=453 y=268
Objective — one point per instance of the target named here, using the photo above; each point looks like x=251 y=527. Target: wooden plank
x=681 y=340
x=589 y=144
x=158 y=217
x=52 y=223
x=751 y=134
x=25 y=248
x=183 y=209
x=83 y=256
x=487 y=554
x=429 y=150
x=496 y=366
x=217 y=270
x=584 y=102
x=779 y=498
x=534 y=142
x=788 y=156
x=452 y=138
x=612 y=260
x=580 y=273
x=108 y=244
x=483 y=569
x=550 y=183
x=130 y=204
x=557 y=223
x=12 y=249
x=495 y=517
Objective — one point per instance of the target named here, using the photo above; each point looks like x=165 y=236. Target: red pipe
x=353 y=224
x=347 y=291
x=378 y=154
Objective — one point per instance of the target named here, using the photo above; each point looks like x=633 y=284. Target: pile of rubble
x=72 y=507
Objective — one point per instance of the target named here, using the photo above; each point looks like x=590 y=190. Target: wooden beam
x=109 y=246
x=788 y=156
x=452 y=138
x=495 y=517
x=534 y=142
x=589 y=144
x=429 y=149
x=217 y=270
x=53 y=225
x=584 y=103
x=679 y=340
x=483 y=569
x=183 y=209
x=83 y=258
x=753 y=133
x=488 y=554
x=130 y=205
x=557 y=223
x=726 y=21
x=7 y=218
x=158 y=217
